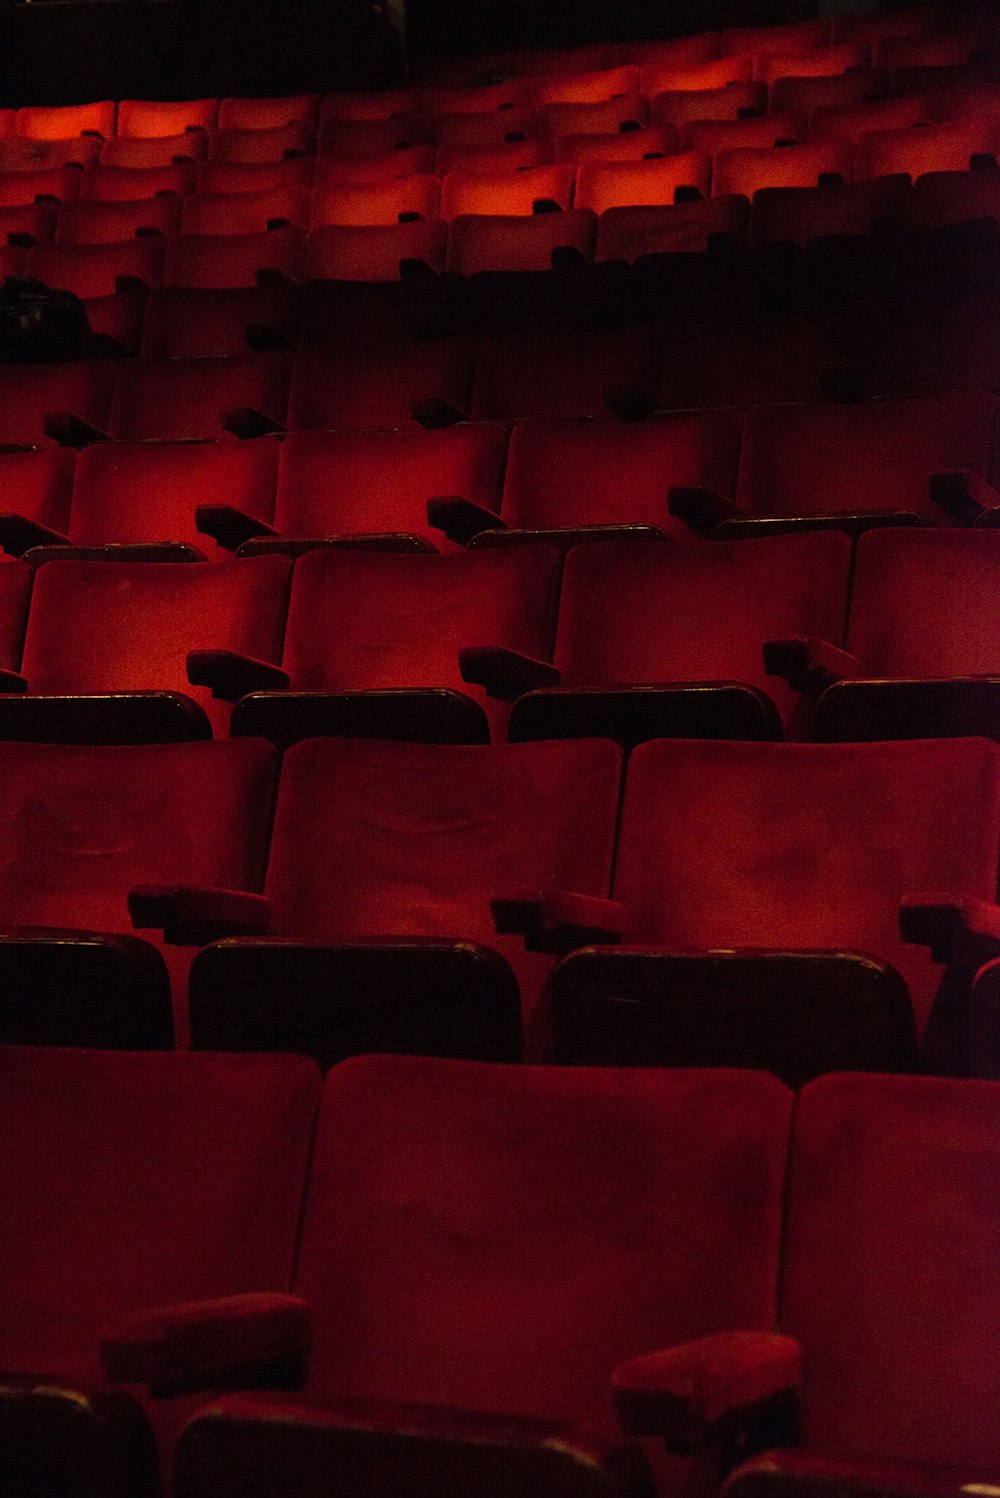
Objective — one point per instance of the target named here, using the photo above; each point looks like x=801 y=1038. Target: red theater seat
x=388 y=166
x=145 y=118
x=153 y=150
x=824 y=62
x=804 y=96
x=84 y=824
x=799 y=214
x=376 y=203
x=94 y=270
x=375 y=844
x=727 y=103
x=627 y=233
x=22 y=224
x=107 y=223
x=629 y=145
x=762 y=888
x=407 y=384
x=245 y=212
x=681 y=51
x=351 y=252
x=59 y=122
x=112 y=184
x=624 y=113
x=656 y=78
x=512 y=156
x=374 y=106
x=296 y=139
x=368 y=137
x=19 y=153
x=37 y=485
x=254 y=176
x=948 y=147
x=496 y=242
x=198 y=398
x=266 y=114
x=562 y=372
x=61 y=184
x=746 y=169
x=851 y=122
x=801 y=38
x=486 y=98
x=67 y=403
x=602 y=185
x=496 y=129
x=643 y=1162
x=371 y=647
x=207 y=322
x=891 y=1229
x=590 y=87
x=712 y=136
x=941 y=198
x=506 y=193
x=229 y=261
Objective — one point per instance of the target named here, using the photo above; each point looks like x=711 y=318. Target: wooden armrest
x=809 y=664
x=681 y=1392
x=506 y=674
x=229 y=526
x=461 y=519
x=192 y=916
x=556 y=920
x=199 y=1342
x=701 y=508
x=230 y=675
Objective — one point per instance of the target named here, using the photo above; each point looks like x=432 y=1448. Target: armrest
x=18 y=534
x=630 y=402
x=200 y=1342
x=230 y=675
x=245 y=421
x=434 y=411
x=71 y=431
x=190 y=916
x=230 y=526
x=701 y=508
x=461 y=519
x=960 y=932
x=965 y=495
x=12 y=681
x=682 y=1392
x=558 y=920
x=809 y=664
x=506 y=674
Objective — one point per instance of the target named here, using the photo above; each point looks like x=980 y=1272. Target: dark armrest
x=960 y=932
x=966 y=496
x=701 y=508
x=12 y=681
x=682 y=1392
x=71 y=431
x=434 y=411
x=461 y=519
x=231 y=675
x=630 y=402
x=18 y=534
x=230 y=526
x=558 y=920
x=809 y=664
x=506 y=674
x=245 y=421
x=200 y=1342
x=190 y=916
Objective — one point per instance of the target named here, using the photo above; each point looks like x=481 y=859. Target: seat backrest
x=712 y=136
x=636 y=613
x=15 y=591
x=60 y=121
x=800 y=214
x=137 y=1179
x=805 y=96
x=822 y=458
x=851 y=121
x=141 y=117
x=888 y=1268
x=110 y=184
x=19 y=188
x=231 y=261
x=610 y=115
x=31 y=392
x=352 y=252
x=376 y=203
x=946 y=147
x=746 y=169
x=185 y=398
x=589 y=87
x=680 y=106
x=561 y=372
x=601 y=185
x=386 y=166
x=824 y=62
x=266 y=113
x=684 y=228
x=491 y=242
x=805 y=846
x=199 y=322
x=93 y=270
x=529 y=1228
x=335 y=387
x=245 y=212
x=505 y=192
x=649 y=143
x=272 y=144
x=357 y=483
x=38 y=484
x=254 y=176
x=153 y=150
x=659 y=78
x=105 y=223
x=386 y=839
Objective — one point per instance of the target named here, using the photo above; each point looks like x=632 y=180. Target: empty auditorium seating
x=19 y=153
x=749 y=854
x=245 y=212
x=83 y=824
x=591 y=87
x=746 y=169
x=65 y=403
x=617 y=115
x=376 y=203
x=94 y=270
x=59 y=122
x=470 y=130
x=805 y=97
x=365 y=106
x=187 y=398
x=800 y=214
x=407 y=161
x=203 y=322
x=351 y=252
x=712 y=136
x=229 y=261
x=372 y=642
x=851 y=121
x=406 y=384
x=266 y=114
x=602 y=185
x=678 y=107
x=823 y=62
x=104 y=223
x=506 y=192
x=295 y=139
x=628 y=233
x=437 y=830
x=719 y=73
x=358 y=137
x=631 y=145
x=61 y=184
x=130 y=1179
x=947 y=147
x=512 y=156
x=610 y=1177
x=109 y=184
x=521 y=242
x=153 y=150
x=141 y=117
x=37 y=484
x=253 y=176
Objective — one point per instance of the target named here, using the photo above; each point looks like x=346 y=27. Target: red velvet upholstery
x=368 y=137
x=366 y=106
x=254 y=176
x=348 y=252
x=510 y=192
x=261 y=145
x=266 y=114
x=144 y=492
x=850 y=122
x=489 y=242
x=804 y=96
x=332 y=387
x=608 y=116
x=153 y=150
x=376 y=203
x=377 y=839
x=141 y=117
x=38 y=485
x=244 y=212
x=800 y=214
x=746 y=169
x=636 y=613
x=512 y=156
x=15 y=590
x=134 y=622
x=35 y=221
x=196 y=322
x=627 y=233
x=824 y=62
x=940 y=198
x=20 y=153
x=113 y=184
x=631 y=145
x=133 y=1179
x=83 y=825
x=566 y=473
x=680 y=106
x=59 y=122
x=601 y=185
x=361 y=620
x=935 y=148
x=804 y=846
x=234 y=260
x=385 y=166
x=61 y=183
x=530 y=1228
x=492 y=129
x=712 y=136
x=183 y=398
x=560 y=372
x=344 y=483
x=94 y=269
x=891 y=1243
x=30 y=392
x=103 y=223
x=695 y=77
x=825 y=458
x=590 y=87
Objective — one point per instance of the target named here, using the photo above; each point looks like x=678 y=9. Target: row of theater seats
x=499 y=1278
x=800 y=636
x=713 y=902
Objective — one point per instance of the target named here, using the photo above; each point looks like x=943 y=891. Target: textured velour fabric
x=824 y=62
x=943 y=147
x=746 y=169
x=116 y=184
x=82 y=826
x=244 y=212
x=361 y=620
x=15 y=590
x=133 y=624
x=505 y=192
x=335 y=388
x=133 y=1180
x=566 y=473
x=926 y=603
x=38 y=485
x=29 y=392
x=60 y=121
x=889 y=1268
x=146 y=491
x=489 y=242
x=348 y=252
x=383 y=839
x=356 y=483
x=632 y=613
x=375 y=203
x=144 y=117
x=852 y=121
x=586 y=86
x=561 y=372
x=821 y=458
x=93 y=269
x=805 y=846
x=230 y=261
x=601 y=184
x=187 y=398
x=266 y=113
x=627 y=233
x=499 y=1238
x=104 y=223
